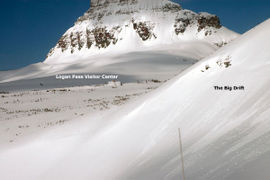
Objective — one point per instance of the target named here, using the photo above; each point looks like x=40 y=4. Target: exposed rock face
x=204 y=21
x=181 y=24
x=62 y=43
x=100 y=3
x=109 y=22
x=207 y=20
x=103 y=38
x=144 y=30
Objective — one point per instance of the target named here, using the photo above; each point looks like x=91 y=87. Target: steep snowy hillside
x=226 y=134
x=117 y=26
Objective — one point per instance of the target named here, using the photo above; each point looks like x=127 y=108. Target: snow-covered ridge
x=124 y=25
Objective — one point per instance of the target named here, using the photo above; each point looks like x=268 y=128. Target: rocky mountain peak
x=118 y=25
x=96 y=3
x=116 y=7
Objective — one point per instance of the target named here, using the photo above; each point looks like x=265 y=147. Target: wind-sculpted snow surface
x=226 y=134
x=125 y=25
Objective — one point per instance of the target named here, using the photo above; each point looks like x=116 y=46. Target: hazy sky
x=30 y=28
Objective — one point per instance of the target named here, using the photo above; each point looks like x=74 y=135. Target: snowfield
x=151 y=63
x=28 y=112
x=226 y=134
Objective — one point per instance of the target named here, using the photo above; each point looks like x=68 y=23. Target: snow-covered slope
x=226 y=134
x=160 y=62
x=117 y=26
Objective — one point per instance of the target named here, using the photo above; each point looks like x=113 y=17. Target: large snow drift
x=226 y=134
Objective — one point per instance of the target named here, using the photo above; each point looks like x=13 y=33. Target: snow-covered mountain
x=117 y=26
x=136 y=39
x=226 y=134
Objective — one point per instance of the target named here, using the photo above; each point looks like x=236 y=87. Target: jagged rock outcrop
x=110 y=23
x=144 y=30
x=208 y=20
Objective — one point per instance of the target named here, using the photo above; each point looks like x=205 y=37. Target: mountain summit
x=149 y=3
x=125 y=25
